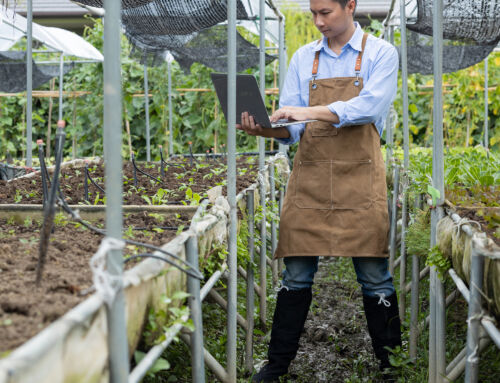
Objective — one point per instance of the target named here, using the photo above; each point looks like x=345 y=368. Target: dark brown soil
x=25 y=309
x=490 y=227
x=178 y=179
x=336 y=346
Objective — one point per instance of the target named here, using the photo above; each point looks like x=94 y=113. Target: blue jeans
x=372 y=274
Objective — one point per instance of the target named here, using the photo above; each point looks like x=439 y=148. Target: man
x=336 y=202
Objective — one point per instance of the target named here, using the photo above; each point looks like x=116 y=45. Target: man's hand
x=249 y=126
x=298 y=113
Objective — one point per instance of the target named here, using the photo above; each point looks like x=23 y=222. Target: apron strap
x=357 y=68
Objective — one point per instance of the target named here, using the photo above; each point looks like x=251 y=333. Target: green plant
x=436 y=258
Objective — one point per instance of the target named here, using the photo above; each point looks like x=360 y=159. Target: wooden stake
x=49 y=128
x=127 y=126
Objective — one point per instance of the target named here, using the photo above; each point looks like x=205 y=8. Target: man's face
x=330 y=18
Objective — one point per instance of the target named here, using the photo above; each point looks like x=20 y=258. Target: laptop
x=248 y=99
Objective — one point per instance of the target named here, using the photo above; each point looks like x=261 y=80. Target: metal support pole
x=170 y=119
x=146 y=105
x=402 y=266
x=486 y=143
x=415 y=281
x=394 y=220
x=474 y=315
x=389 y=131
x=262 y=159
x=61 y=85
x=231 y=191
x=117 y=329
x=193 y=288
x=250 y=283
x=29 y=85
x=437 y=357
x=282 y=64
x=274 y=265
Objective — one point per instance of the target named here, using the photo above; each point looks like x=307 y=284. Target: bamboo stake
x=127 y=126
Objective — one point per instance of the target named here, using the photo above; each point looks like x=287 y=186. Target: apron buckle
x=314 y=85
x=356 y=83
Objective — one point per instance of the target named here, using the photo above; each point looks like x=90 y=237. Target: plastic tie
x=106 y=284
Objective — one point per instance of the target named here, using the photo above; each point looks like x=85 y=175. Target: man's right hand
x=249 y=126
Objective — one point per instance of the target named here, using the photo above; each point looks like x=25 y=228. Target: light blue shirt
x=379 y=70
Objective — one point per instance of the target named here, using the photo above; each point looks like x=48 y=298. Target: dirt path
x=336 y=346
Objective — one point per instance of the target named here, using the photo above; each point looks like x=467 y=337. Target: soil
x=477 y=214
x=25 y=308
x=180 y=176
x=335 y=345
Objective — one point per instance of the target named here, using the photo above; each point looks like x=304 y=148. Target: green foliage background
x=197 y=117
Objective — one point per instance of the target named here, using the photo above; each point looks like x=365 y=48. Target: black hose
x=87 y=173
x=142 y=172
x=49 y=210
x=43 y=172
x=75 y=217
x=147 y=255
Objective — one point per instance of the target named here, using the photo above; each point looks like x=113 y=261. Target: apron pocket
x=314 y=185
x=352 y=184
x=323 y=131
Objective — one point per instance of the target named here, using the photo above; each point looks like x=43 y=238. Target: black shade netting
x=125 y=3
x=473 y=20
x=208 y=47
x=174 y=17
x=456 y=54
x=13 y=72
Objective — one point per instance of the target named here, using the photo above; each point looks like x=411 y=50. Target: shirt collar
x=355 y=41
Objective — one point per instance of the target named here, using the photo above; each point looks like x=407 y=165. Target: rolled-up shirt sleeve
x=376 y=96
x=290 y=96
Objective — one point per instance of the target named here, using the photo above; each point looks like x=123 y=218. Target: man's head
x=333 y=17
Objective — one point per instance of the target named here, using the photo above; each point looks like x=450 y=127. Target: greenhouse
x=249 y=191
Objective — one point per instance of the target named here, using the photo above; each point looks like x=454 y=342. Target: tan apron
x=336 y=201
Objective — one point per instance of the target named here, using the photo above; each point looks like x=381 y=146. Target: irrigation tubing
x=87 y=174
x=50 y=208
x=43 y=172
x=142 y=172
x=77 y=218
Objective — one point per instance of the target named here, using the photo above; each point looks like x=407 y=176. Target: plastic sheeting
x=13 y=27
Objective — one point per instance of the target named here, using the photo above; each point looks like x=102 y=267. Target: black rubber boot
x=384 y=327
x=290 y=315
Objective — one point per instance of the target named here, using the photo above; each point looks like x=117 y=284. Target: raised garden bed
x=74 y=347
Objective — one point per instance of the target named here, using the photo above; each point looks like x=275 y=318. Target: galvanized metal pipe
x=61 y=85
x=492 y=330
x=262 y=159
x=140 y=371
x=219 y=299
x=282 y=63
x=437 y=357
x=231 y=192
x=211 y=362
x=29 y=84
x=402 y=267
x=117 y=329
x=486 y=143
x=212 y=281
x=146 y=107
x=394 y=217
x=250 y=296
x=193 y=288
x=414 y=307
x=454 y=372
x=243 y=273
x=460 y=284
x=474 y=315
x=274 y=264
x=170 y=118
